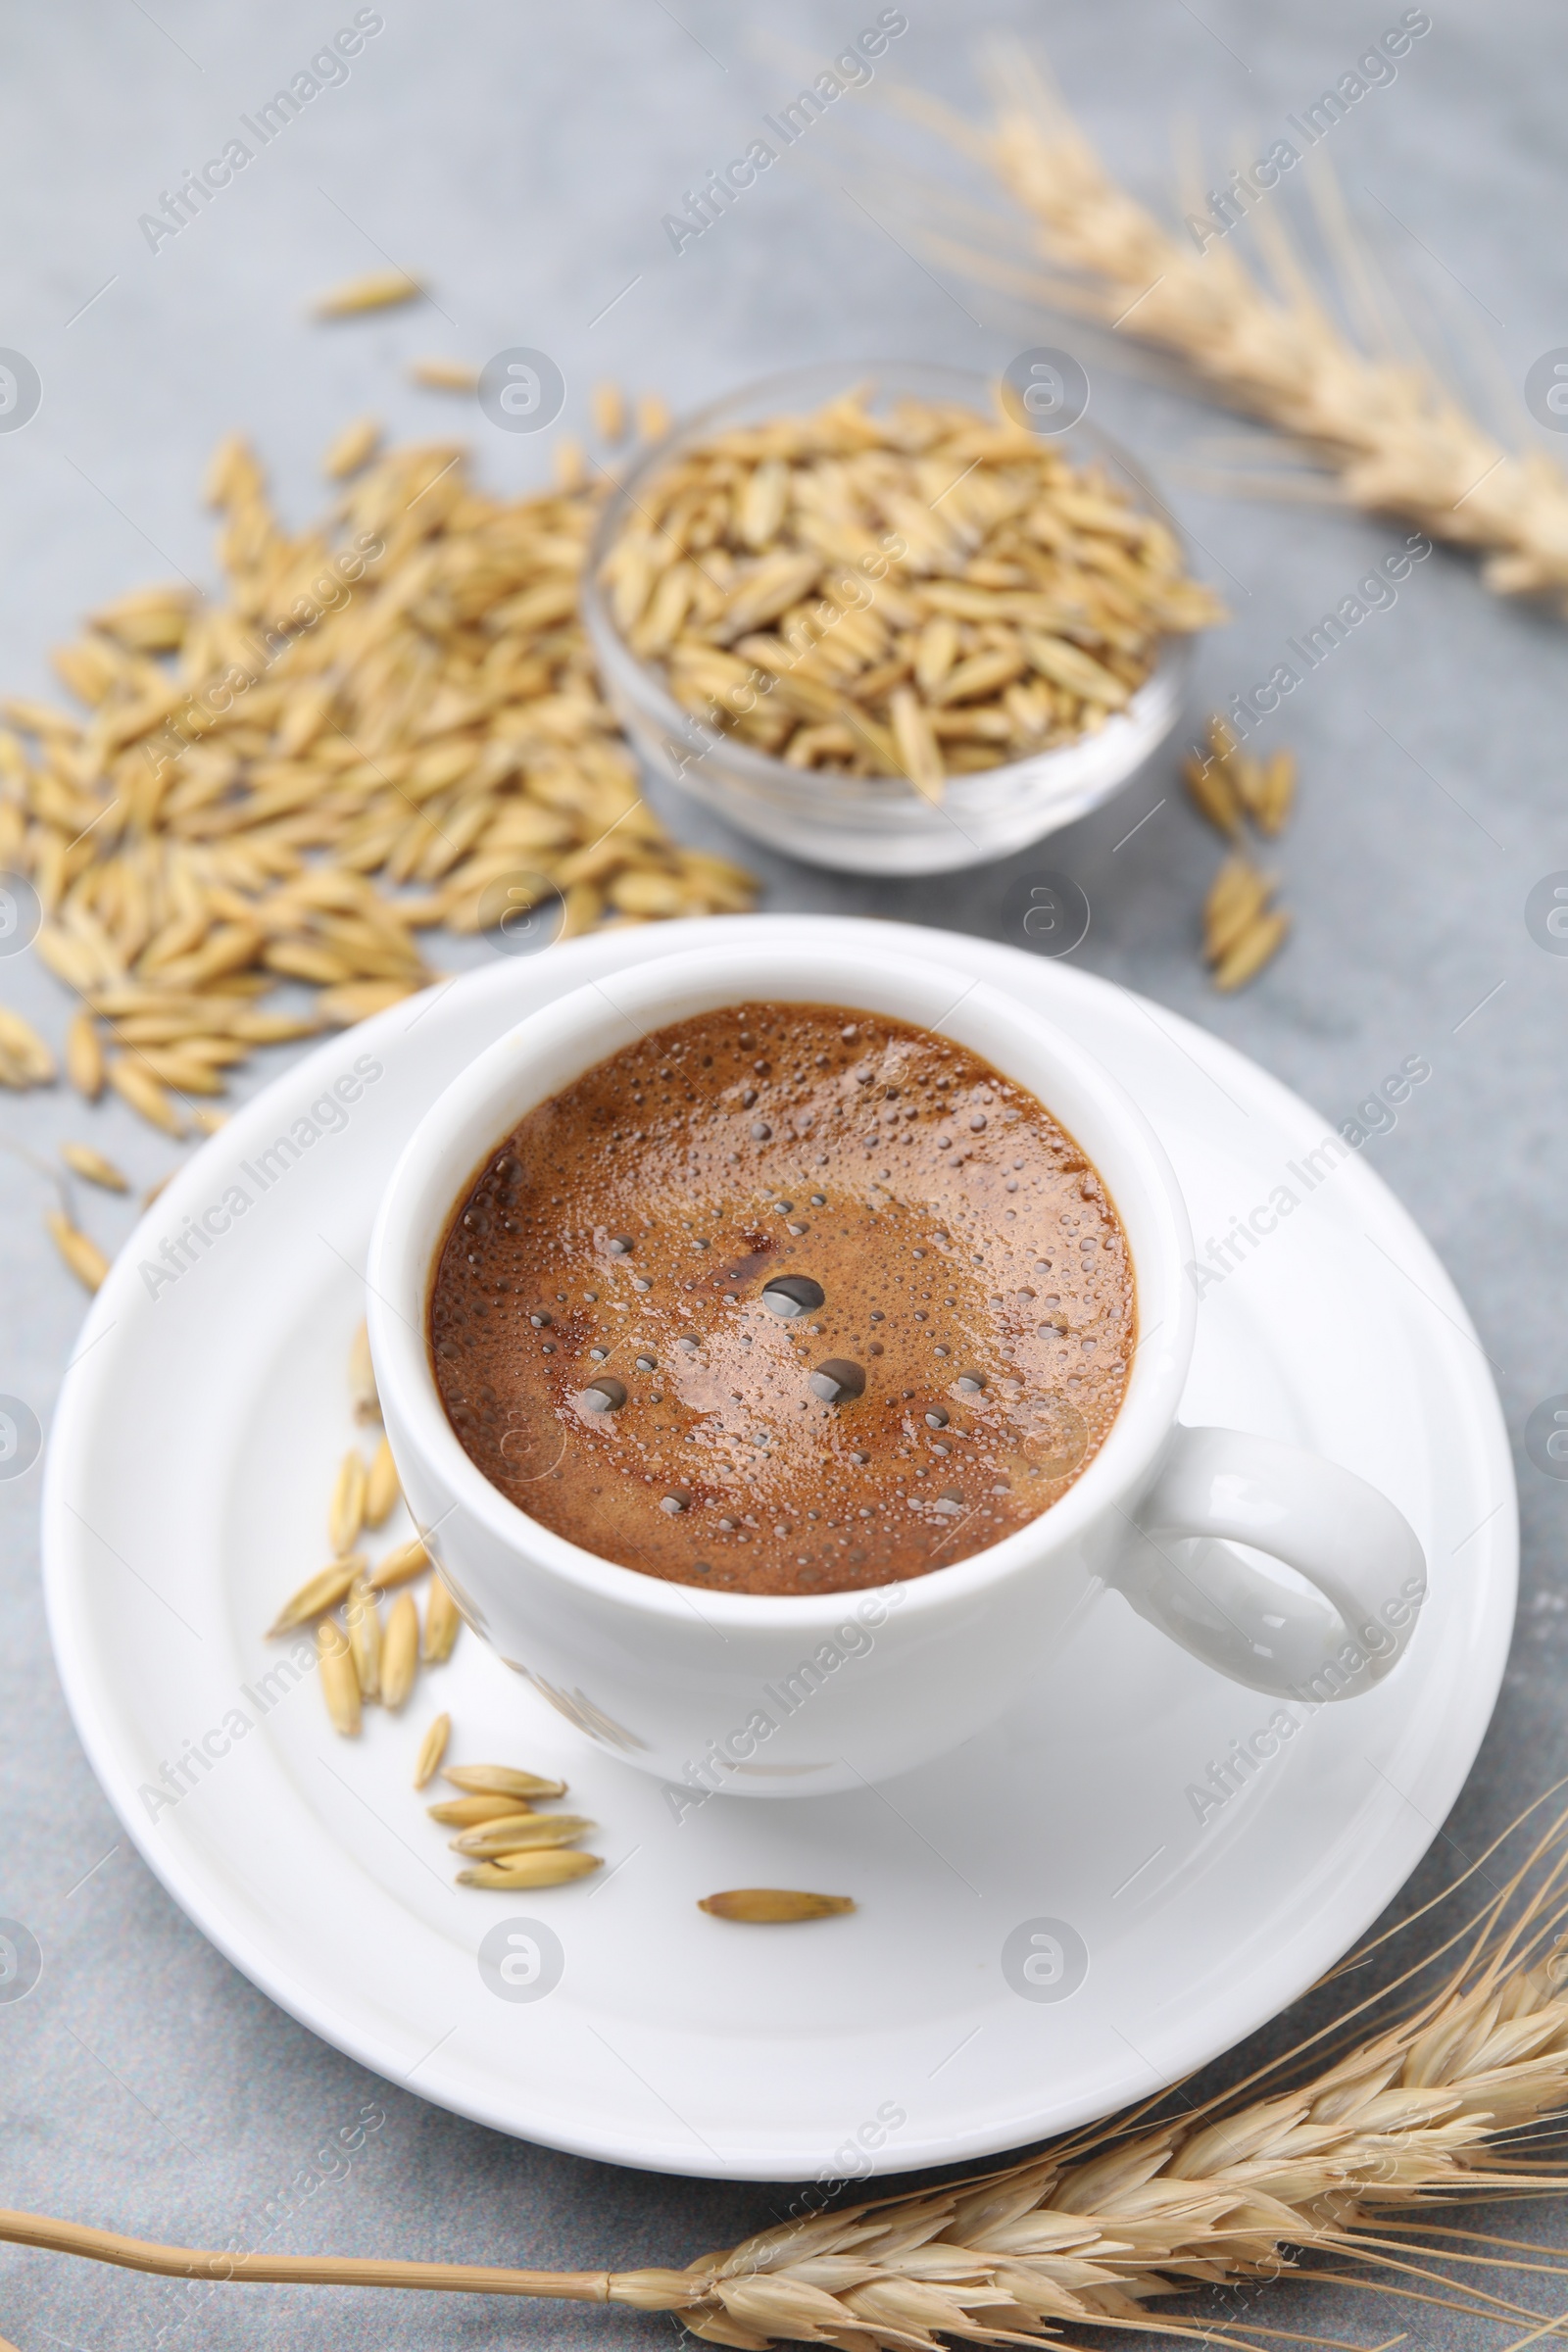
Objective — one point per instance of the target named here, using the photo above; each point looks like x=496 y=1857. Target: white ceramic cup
x=765 y=1696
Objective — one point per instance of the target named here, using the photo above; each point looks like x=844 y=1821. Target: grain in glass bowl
x=879 y=626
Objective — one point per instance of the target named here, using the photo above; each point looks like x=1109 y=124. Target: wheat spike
x=1086 y=2233
x=1319 y=2153
x=1390 y=435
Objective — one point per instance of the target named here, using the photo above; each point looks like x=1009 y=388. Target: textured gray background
x=522 y=157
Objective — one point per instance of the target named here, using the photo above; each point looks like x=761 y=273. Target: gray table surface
x=525 y=158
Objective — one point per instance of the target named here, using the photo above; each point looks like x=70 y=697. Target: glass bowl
x=873 y=824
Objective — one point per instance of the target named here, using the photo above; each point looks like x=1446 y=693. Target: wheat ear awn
x=1384 y=430
x=1404 y=2100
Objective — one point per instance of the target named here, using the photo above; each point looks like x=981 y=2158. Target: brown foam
x=625 y=1234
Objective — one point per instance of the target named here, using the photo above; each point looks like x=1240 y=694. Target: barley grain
x=345 y=1514
x=81 y=1255
x=461 y=1812
x=362 y=1378
x=401 y=1565
x=355 y=446
x=382 y=1489
x=1212 y=793
x=773 y=1906
x=432 y=1747
x=444 y=376
x=339 y=1679
x=1237 y=897
x=442 y=1620
x=84 y=1055
x=821 y=550
x=147 y=621
x=251 y=764
x=400 y=1651
x=1277 y=794
x=351 y=1001
x=23 y=1045
x=377 y=290
x=609 y=404
x=364 y=1621
x=521 y=1832
x=92 y=1166
x=1247 y=956
x=185 y=1073
x=916 y=740
x=500 y=1780
x=530 y=1871
x=653 y=416
x=142 y=1091
x=318 y=1594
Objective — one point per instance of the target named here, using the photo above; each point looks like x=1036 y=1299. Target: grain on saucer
x=345 y=1514
x=382 y=1489
x=442 y=1621
x=340 y=1681
x=521 y=1832
x=773 y=1906
x=432 y=1747
x=400 y=1653
x=531 y=1870
x=318 y=1594
x=364 y=1621
x=401 y=1565
x=500 y=1780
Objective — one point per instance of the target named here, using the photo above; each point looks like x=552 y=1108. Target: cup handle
x=1219 y=1487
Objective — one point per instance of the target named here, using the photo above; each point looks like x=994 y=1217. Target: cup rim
x=761 y=769
x=492 y=1093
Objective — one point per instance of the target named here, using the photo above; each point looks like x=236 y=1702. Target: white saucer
x=190 y=1463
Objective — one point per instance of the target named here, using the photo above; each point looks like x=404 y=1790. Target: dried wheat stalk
x=1390 y=431
x=403 y=690
x=1309 y=2155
